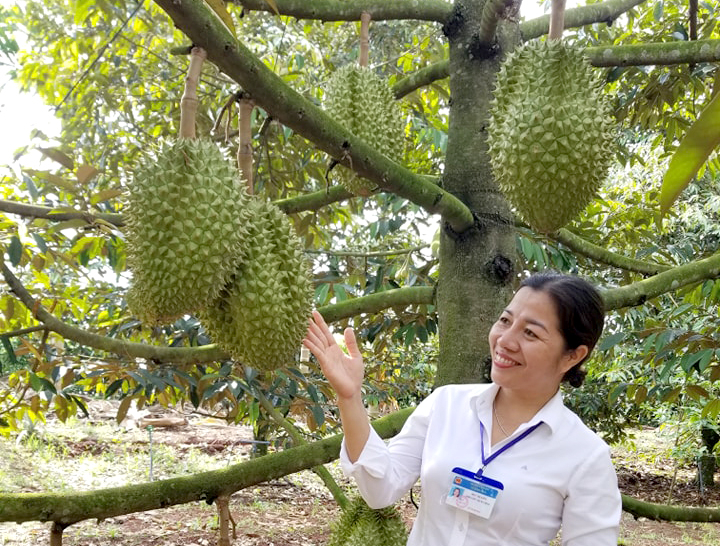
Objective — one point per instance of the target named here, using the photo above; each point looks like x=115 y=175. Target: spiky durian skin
x=186 y=229
x=363 y=102
x=550 y=134
x=360 y=525
x=261 y=316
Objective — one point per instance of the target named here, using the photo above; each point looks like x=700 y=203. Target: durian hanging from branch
x=364 y=103
x=186 y=226
x=261 y=315
x=550 y=134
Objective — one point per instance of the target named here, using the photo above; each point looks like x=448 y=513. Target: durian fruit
x=186 y=228
x=363 y=102
x=360 y=525
x=261 y=316
x=550 y=134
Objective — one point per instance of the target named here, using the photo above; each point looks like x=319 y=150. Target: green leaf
x=15 y=250
x=658 y=11
x=123 y=409
x=697 y=145
x=10 y=351
x=273 y=6
x=56 y=155
x=611 y=341
x=40 y=242
x=711 y=410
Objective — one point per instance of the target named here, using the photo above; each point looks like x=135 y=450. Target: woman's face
x=528 y=350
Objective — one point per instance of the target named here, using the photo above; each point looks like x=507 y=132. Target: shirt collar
x=551 y=413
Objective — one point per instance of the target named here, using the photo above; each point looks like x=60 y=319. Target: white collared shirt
x=561 y=474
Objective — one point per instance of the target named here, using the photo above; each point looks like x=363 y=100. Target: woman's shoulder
x=580 y=433
x=457 y=392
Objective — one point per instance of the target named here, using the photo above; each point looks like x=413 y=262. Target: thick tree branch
x=599 y=254
x=342 y=10
x=660 y=512
x=179 y=355
x=605 y=12
x=308 y=202
x=639 y=292
x=205 y=30
x=207 y=353
x=374 y=303
x=424 y=76
x=313 y=201
x=57 y=215
x=661 y=53
x=70 y=508
x=664 y=53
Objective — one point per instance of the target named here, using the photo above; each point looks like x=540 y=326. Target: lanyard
x=503 y=449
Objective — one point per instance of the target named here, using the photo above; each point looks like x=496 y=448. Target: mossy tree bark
x=476 y=266
x=68 y=508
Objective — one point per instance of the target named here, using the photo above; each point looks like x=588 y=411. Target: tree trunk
x=476 y=266
x=707 y=463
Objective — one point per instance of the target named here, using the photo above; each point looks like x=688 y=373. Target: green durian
x=262 y=314
x=363 y=102
x=186 y=228
x=360 y=525
x=550 y=132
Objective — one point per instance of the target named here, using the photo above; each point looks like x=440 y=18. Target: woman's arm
x=593 y=507
x=345 y=373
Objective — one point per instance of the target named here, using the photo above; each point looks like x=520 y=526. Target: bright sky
x=23 y=112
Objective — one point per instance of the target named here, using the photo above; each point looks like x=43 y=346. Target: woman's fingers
x=351 y=342
x=322 y=327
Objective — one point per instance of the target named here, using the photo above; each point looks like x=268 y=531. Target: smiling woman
x=545 y=469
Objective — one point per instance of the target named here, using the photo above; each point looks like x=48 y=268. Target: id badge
x=473 y=493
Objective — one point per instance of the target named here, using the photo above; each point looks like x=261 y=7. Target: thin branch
x=365 y=19
x=58 y=215
x=424 y=76
x=308 y=202
x=298 y=440
x=557 y=20
x=605 y=12
x=23 y=331
x=189 y=102
x=99 y=56
x=599 y=254
x=342 y=10
x=492 y=12
x=360 y=254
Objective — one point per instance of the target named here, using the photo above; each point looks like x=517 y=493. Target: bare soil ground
x=294 y=511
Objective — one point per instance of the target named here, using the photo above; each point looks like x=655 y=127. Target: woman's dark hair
x=580 y=311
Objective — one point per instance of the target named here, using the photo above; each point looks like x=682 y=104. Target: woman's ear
x=573 y=356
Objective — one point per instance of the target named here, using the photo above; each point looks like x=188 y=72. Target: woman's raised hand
x=344 y=371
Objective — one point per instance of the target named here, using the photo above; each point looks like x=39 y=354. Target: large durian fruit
x=261 y=315
x=360 y=525
x=363 y=103
x=186 y=228
x=550 y=134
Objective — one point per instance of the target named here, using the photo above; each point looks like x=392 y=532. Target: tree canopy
x=421 y=267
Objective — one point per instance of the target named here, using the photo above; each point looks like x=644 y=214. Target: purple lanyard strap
x=503 y=449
